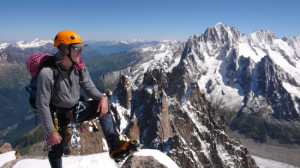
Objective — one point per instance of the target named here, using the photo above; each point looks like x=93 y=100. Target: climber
x=59 y=98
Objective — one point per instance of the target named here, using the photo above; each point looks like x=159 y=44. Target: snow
x=132 y=41
x=294 y=91
x=33 y=44
x=247 y=51
x=193 y=115
x=3 y=45
x=26 y=44
x=123 y=111
x=162 y=56
x=146 y=49
x=215 y=73
x=267 y=163
x=149 y=90
x=224 y=156
x=89 y=161
x=103 y=160
x=7 y=157
x=161 y=157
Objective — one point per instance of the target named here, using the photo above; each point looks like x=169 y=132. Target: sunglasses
x=77 y=48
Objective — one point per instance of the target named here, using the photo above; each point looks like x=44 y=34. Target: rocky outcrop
x=6 y=147
x=143 y=161
x=91 y=140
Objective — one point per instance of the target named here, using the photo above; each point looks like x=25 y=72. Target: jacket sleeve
x=89 y=87
x=43 y=97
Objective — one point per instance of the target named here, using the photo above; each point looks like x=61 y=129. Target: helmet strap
x=69 y=54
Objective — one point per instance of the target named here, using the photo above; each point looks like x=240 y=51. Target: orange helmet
x=66 y=37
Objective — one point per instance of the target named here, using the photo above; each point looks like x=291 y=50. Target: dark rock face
x=272 y=88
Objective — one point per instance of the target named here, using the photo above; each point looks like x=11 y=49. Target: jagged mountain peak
x=221 y=33
x=263 y=36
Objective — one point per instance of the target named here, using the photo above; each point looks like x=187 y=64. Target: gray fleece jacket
x=65 y=95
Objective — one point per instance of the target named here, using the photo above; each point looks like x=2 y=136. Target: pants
x=89 y=113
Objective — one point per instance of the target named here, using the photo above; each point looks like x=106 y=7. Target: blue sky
x=147 y=20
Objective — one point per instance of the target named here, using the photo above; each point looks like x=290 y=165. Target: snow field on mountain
x=161 y=57
x=33 y=44
x=215 y=74
x=254 y=53
x=3 y=45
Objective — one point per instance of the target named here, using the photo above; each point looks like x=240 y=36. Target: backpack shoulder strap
x=54 y=69
x=80 y=75
x=55 y=75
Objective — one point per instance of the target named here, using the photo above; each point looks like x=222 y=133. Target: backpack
x=35 y=63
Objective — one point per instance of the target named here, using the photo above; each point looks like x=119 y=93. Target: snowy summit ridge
x=33 y=44
x=26 y=44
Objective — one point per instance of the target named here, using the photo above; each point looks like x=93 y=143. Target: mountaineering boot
x=119 y=149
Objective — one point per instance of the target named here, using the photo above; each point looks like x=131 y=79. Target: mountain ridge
x=241 y=74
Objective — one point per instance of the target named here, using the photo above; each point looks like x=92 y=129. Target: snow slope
x=89 y=161
x=7 y=157
x=103 y=160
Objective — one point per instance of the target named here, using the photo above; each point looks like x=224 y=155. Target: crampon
x=125 y=151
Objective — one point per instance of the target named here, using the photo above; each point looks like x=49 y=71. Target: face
x=75 y=53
